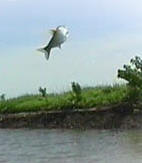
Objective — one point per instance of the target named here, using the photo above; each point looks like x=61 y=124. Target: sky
x=104 y=35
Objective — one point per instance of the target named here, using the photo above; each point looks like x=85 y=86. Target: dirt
x=110 y=117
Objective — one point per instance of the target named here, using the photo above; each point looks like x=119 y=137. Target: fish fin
x=52 y=31
x=45 y=51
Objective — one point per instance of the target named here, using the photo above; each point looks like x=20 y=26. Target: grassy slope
x=91 y=97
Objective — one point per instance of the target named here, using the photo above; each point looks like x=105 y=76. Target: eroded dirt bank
x=117 y=116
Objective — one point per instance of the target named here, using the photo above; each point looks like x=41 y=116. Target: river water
x=70 y=146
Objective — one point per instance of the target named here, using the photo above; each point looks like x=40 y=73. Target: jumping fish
x=59 y=36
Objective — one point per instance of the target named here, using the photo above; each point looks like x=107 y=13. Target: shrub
x=133 y=75
x=2 y=97
x=76 y=94
x=42 y=91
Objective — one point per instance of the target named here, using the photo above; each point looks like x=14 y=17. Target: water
x=70 y=146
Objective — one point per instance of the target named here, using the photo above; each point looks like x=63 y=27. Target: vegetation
x=77 y=98
x=2 y=97
x=133 y=75
x=76 y=94
x=42 y=91
x=82 y=98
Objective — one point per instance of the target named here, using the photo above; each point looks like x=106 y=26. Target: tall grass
x=90 y=97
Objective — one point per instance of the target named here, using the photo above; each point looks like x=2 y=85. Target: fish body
x=59 y=36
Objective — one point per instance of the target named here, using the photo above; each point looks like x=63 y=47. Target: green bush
x=133 y=75
x=2 y=97
x=42 y=91
x=75 y=94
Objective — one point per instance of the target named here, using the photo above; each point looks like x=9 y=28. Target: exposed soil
x=116 y=116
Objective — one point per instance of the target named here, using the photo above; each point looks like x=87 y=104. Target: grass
x=90 y=97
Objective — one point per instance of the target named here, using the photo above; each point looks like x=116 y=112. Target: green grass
x=90 y=97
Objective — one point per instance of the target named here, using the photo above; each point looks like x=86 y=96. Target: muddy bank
x=117 y=116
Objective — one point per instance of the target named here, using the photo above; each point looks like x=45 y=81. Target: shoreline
x=109 y=117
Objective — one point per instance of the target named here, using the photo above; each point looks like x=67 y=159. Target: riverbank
x=110 y=117
x=103 y=107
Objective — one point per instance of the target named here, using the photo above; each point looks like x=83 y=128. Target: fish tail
x=46 y=51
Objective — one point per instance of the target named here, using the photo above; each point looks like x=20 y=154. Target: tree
x=132 y=73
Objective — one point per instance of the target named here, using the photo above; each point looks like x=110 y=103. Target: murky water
x=70 y=146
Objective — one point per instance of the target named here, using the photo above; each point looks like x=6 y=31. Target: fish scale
x=59 y=37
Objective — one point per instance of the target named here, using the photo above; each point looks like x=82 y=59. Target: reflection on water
x=70 y=146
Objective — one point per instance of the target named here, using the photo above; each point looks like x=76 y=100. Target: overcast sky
x=104 y=34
